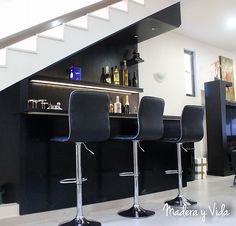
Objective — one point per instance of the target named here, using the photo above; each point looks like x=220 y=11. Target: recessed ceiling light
x=231 y=23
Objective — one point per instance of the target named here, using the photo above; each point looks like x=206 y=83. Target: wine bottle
x=103 y=77
x=111 y=106
x=116 y=76
x=122 y=105
x=112 y=75
x=125 y=75
x=127 y=110
x=130 y=83
x=107 y=75
x=117 y=105
x=134 y=80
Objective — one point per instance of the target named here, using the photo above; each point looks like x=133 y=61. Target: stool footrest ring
x=171 y=172
x=126 y=174
x=71 y=181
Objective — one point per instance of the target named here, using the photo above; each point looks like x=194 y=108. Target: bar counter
x=39 y=164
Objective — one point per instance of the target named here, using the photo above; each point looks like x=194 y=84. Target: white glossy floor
x=213 y=190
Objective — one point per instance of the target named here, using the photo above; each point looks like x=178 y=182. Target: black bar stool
x=189 y=129
x=88 y=122
x=150 y=127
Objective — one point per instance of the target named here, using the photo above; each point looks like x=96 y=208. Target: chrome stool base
x=136 y=212
x=83 y=221
x=180 y=201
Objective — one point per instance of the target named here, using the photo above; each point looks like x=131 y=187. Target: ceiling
x=208 y=21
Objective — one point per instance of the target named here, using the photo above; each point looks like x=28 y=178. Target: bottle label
x=116 y=78
x=117 y=107
x=108 y=80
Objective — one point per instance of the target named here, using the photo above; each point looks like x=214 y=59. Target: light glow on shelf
x=82 y=86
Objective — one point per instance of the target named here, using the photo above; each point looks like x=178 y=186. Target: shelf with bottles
x=123 y=104
x=83 y=85
x=121 y=77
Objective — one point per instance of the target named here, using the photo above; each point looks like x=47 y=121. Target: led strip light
x=80 y=86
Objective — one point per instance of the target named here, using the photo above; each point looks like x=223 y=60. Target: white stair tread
x=2 y=57
x=57 y=32
x=121 y=5
x=101 y=13
x=139 y=1
x=27 y=44
x=81 y=22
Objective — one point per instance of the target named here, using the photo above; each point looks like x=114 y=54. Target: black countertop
x=112 y=115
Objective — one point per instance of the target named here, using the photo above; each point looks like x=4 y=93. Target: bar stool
x=150 y=127
x=190 y=129
x=88 y=122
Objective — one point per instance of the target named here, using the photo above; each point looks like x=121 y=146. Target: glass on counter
x=55 y=106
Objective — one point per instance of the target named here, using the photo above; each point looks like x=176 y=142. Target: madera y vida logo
x=213 y=210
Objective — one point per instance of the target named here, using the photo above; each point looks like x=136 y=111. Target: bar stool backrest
x=88 y=116
x=192 y=124
x=150 y=118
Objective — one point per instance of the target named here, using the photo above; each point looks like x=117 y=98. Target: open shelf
x=230 y=104
x=82 y=85
x=65 y=113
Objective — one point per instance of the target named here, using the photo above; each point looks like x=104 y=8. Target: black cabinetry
x=31 y=165
x=221 y=128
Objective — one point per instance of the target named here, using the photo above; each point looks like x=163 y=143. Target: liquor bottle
x=121 y=77
x=130 y=83
x=107 y=75
x=103 y=79
x=125 y=75
x=111 y=106
x=134 y=80
x=71 y=74
x=127 y=105
x=116 y=76
x=117 y=105
x=122 y=105
x=112 y=75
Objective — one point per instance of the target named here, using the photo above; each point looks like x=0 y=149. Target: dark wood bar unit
x=32 y=165
x=221 y=132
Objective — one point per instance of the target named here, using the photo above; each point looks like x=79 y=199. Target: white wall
x=164 y=55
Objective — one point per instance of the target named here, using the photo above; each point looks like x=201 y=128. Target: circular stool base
x=81 y=222
x=180 y=201
x=136 y=212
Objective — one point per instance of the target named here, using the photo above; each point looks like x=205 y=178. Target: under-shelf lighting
x=82 y=86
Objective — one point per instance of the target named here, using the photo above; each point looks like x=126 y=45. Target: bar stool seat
x=189 y=129
x=88 y=122
x=150 y=127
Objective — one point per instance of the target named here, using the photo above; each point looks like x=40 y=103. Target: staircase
x=18 y=61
